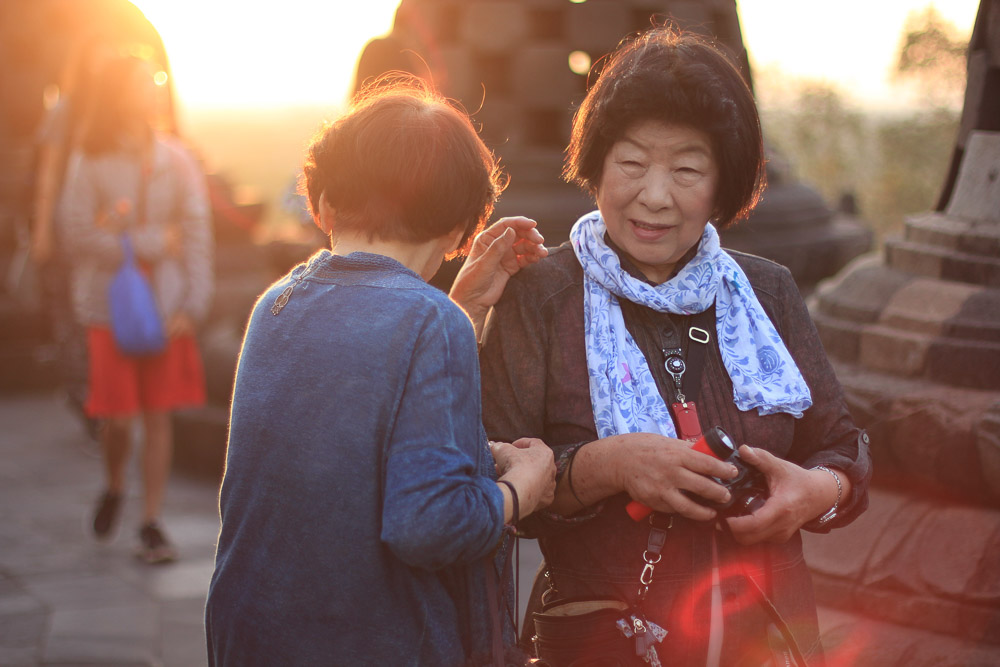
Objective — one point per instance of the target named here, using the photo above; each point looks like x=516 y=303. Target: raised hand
x=498 y=252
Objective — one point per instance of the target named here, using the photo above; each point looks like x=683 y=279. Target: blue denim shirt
x=358 y=507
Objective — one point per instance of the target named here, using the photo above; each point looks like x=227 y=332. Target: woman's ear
x=325 y=219
x=454 y=239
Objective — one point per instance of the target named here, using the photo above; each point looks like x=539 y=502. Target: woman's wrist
x=478 y=316
x=828 y=510
x=597 y=472
x=511 y=502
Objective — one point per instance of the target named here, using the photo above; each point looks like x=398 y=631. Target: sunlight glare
x=228 y=54
x=852 y=44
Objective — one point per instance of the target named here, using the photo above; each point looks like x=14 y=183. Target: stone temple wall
x=914 y=335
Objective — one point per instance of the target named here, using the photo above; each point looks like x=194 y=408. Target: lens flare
x=579 y=62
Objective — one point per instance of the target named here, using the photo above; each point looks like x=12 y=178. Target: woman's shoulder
x=765 y=275
x=550 y=275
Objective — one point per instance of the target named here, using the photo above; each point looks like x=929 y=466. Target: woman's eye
x=687 y=176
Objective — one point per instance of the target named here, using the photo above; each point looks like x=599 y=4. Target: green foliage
x=893 y=165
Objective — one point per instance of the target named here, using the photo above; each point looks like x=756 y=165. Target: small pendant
x=282 y=299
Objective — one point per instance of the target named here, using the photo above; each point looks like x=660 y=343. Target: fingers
x=761 y=459
x=525 y=228
x=703 y=464
x=775 y=522
x=705 y=487
x=531 y=466
x=691 y=509
x=528 y=251
x=764 y=525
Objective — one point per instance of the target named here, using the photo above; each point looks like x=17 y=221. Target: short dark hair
x=403 y=164
x=680 y=79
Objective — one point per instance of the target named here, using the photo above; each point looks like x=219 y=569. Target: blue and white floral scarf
x=622 y=389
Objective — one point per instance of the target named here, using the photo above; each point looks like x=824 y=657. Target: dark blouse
x=535 y=383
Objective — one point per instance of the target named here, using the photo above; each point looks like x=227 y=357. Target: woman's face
x=657 y=193
x=141 y=93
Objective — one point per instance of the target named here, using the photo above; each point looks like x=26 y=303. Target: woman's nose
x=656 y=192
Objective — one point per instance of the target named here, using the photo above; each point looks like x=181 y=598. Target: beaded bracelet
x=514 y=501
x=832 y=512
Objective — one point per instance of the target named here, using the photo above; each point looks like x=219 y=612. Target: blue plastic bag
x=135 y=320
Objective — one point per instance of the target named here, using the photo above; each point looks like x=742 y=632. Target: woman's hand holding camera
x=797 y=497
x=657 y=470
x=528 y=464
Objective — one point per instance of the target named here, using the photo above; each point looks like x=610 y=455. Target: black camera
x=748 y=490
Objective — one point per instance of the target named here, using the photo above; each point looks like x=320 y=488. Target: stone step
x=917 y=563
x=937 y=441
x=937 y=262
x=943 y=231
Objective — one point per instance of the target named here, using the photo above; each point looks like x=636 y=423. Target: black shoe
x=154 y=547
x=107 y=512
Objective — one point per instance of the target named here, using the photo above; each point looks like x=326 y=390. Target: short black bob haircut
x=403 y=164
x=679 y=79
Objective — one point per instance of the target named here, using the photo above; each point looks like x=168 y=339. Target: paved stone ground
x=68 y=600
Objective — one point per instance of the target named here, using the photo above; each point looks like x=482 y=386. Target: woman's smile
x=647 y=231
x=656 y=194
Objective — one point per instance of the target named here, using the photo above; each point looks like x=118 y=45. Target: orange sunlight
x=230 y=54
x=233 y=54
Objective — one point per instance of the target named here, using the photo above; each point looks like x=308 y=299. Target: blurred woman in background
x=127 y=181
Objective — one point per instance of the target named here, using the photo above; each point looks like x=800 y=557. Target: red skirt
x=122 y=386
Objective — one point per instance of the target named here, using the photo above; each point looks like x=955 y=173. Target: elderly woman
x=361 y=512
x=622 y=346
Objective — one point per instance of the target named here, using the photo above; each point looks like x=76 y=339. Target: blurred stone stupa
x=521 y=67
x=915 y=338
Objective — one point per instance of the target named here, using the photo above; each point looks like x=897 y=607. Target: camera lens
x=720 y=443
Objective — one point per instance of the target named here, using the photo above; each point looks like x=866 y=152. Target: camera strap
x=686 y=370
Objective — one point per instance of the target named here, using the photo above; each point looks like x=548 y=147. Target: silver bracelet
x=832 y=512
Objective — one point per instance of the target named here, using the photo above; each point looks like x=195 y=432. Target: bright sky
x=228 y=53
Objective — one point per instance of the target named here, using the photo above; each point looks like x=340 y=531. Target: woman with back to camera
x=129 y=181
x=361 y=510
x=624 y=345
